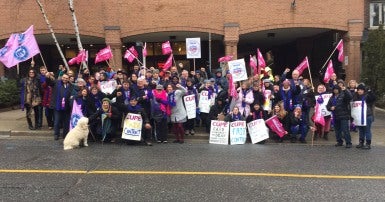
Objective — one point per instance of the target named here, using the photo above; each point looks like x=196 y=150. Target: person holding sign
x=244 y=98
x=191 y=90
x=361 y=98
x=160 y=111
x=135 y=108
x=178 y=112
x=235 y=115
x=283 y=118
x=339 y=106
x=322 y=99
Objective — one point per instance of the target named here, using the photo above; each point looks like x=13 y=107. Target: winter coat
x=178 y=112
x=244 y=108
x=369 y=98
x=341 y=102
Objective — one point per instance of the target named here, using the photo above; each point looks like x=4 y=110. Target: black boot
x=367 y=146
x=361 y=144
x=326 y=136
x=30 y=126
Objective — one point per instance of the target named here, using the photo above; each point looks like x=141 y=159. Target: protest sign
x=219 y=132
x=258 y=131
x=193 y=47
x=204 y=102
x=322 y=106
x=238 y=132
x=108 y=87
x=358 y=112
x=237 y=69
x=132 y=128
x=276 y=126
x=189 y=102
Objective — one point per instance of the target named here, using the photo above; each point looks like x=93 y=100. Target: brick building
x=290 y=29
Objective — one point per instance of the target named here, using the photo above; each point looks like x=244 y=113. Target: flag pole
x=323 y=66
x=42 y=59
x=311 y=80
x=194 y=64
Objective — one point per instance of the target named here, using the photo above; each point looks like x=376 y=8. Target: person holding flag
x=322 y=127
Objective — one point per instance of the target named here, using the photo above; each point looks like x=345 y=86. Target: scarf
x=60 y=99
x=210 y=92
x=134 y=109
x=236 y=117
x=362 y=110
x=287 y=99
x=257 y=115
x=171 y=99
x=244 y=92
x=334 y=103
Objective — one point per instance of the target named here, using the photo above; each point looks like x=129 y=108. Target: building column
x=112 y=37
x=231 y=39
x=352 y=50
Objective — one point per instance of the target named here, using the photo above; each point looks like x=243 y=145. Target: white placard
x=193 y=47
x=326 y=98
x=108 y=87
x=219 y=132
x=191 y=106
x=358 y=113
x=237 y=69
x=132 y=128
x=238 y=132
x=204 y=101
x=258 y=131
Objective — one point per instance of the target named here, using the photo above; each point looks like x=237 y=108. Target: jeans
x=365 y=131
x=342 y=126
x=62 y=118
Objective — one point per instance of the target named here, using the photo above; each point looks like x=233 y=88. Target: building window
x=377 y=14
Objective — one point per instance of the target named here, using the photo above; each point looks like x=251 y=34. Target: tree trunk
x=53 y=34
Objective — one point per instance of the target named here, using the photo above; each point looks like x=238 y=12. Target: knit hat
x=361 y=86
x=106 y=99
x=159 y=87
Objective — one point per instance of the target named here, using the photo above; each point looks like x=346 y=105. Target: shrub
x=9 y=93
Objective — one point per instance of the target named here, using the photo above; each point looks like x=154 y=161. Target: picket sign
x=219 y=132
x=108 y=87
x=132 y=128
x=237 y=132
x=358 y=113
x=204 y=102
x=326 y=97
x=258 y=131
x=190 y=104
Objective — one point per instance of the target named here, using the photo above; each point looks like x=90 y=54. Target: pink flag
x=225 y=58
x=103 y=55
x=329 y=72
x=301 y=67
x=233 y=91
x=340 y=48
x=276 y=126
x=133 y=51
x=144 y=51
x=168 y=63
x=166 y=48
x=261 y=61
x=76 y=114
x=129 y=56
x=317 y=117
x=72 y=61
x=253 y=64
x=81 y=57
x=19 y=48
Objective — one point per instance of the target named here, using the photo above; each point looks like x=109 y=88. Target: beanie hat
x=361 y=86
x=106 y=99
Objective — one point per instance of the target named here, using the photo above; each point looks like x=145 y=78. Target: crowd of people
x=158 y=97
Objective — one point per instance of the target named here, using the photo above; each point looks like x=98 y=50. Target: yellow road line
x=244 y=174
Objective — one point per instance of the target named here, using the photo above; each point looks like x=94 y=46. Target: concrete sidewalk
x=13 y=123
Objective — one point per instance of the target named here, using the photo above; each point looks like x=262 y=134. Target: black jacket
x=341 y=102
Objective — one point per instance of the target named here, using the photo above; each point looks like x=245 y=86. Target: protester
x=31 y=98
x=46 y=97
x=234 y=115
x=322 y=131
x=244 y=98
x=189 y=125
x=160 y=112
x=283 y=118
x=178 y=112
x=365 y=96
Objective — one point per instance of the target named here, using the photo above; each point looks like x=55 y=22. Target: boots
x=326 y=136
x=361 y=144
x=367 y=146
x=30 y=126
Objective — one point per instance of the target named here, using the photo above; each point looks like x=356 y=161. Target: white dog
x=77 y=135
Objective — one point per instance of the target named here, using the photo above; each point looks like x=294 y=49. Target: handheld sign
x=219 y=132
x=132 y=128
x=358 y=112
x=238 y=132
x=189 y=102
x=108 y=87
x=237 y=69
x=258 y=131
x=326 y=98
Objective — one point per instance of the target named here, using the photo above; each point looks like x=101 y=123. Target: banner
x=193 y=47
x=19 y=48
x=358 y=112
x=304 y=65
x=276 y=126
x=322 y=107
x=76 y=114
x=191 y=106
x=108 y=87
x=132 y=128
x=238 y=132
x=258 y=131
x=103 y=55
x=238 y=70
x=267 y=105
x=204 y=102
x=219 y=132
x=317 y=116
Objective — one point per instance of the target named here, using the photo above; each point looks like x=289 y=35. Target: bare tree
x=76 y=27
x=53 y=34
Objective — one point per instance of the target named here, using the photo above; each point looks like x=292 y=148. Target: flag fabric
x=19 y=48
x=304 y=65
x=168 y=63
x=129 y=56
x=76 y=114
x=144 y=51
x=340 y=48
x=253 y=64
x=103 y=55
x=81 y=57
x=225 y=58
x=276 y=126
x=233 y=91
x=261 y=61
x=318 y=117
x=329 y=72
x=133 y=51
x=166 y=48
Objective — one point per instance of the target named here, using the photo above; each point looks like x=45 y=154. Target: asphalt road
x=38 y=169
